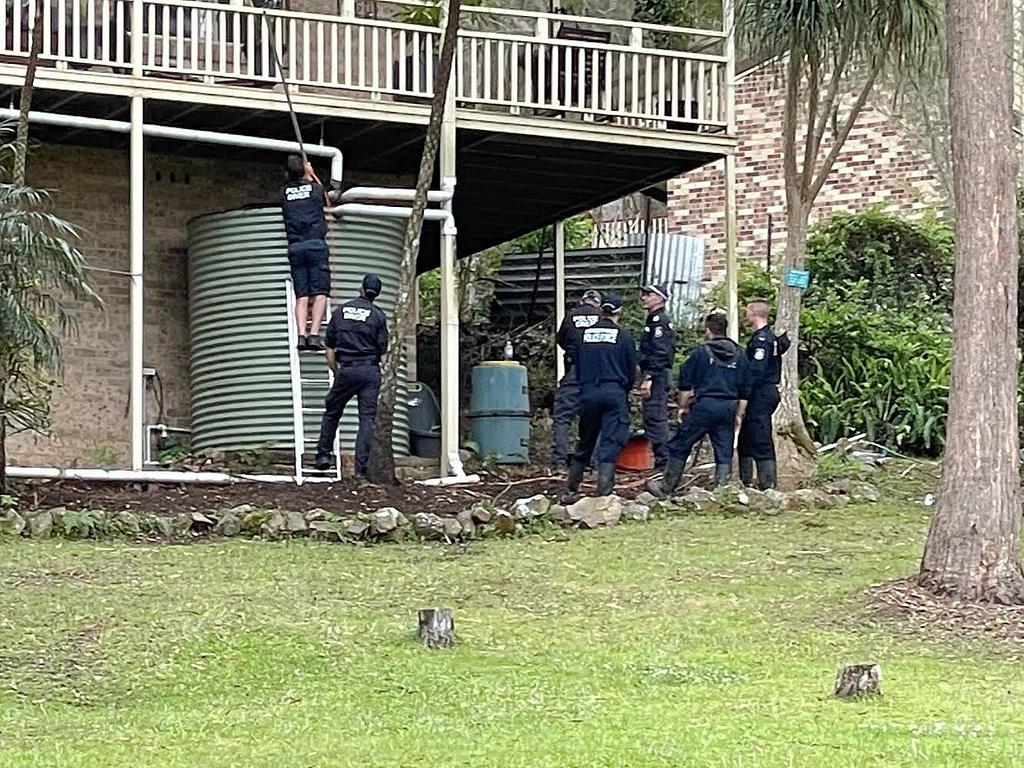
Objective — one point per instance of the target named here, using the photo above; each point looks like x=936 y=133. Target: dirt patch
x=918 y=611
x=344 y=497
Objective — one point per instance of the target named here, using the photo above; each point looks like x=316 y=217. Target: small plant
x=426 y=15
x=82 y=524
x=8 y=501
x=103 y=457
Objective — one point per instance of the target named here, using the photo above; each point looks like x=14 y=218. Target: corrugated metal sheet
x=675 y=259
x=241 y=386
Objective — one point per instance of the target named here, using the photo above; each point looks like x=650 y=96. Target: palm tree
x=822 y=47
x=381 y=467
x=41 y=273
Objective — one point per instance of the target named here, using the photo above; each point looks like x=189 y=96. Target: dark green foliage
x=874 y=333
x=906 y=265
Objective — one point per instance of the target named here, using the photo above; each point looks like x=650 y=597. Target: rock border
x=485 y=519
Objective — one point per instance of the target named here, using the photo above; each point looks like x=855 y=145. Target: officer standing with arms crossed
x=764 y=359
x=567 y=396
x=606 y=369
x=357 y=338
x=657 y=350
x=715 y=380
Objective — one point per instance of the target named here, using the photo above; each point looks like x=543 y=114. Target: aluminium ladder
x=308 y=385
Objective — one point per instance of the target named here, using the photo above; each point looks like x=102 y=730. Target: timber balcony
x=555 y=113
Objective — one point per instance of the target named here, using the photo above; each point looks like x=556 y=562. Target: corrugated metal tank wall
x=241 y=385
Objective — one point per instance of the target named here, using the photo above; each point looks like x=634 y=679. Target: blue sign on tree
x=798 y=278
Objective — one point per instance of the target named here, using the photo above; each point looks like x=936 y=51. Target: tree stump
x=437 y=627
x=859 y=680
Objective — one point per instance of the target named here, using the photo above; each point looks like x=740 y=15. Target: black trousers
x=756 y=440
x=714 y=418
x=566 y=408
x=604 y=414
x=361 y=380
x=656 y=416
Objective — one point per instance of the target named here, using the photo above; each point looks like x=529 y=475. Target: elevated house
x=154 y=117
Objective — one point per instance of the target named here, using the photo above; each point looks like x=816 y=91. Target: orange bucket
x=637 y=455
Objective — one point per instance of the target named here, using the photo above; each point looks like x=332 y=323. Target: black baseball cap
x=372 y=286
x=612 y=302
x=659 y=288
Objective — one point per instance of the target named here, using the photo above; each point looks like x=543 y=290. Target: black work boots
x=667 y=485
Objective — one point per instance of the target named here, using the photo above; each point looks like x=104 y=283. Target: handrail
x=623 y=23
x=586 y=45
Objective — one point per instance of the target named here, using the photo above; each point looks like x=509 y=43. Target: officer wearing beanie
x=606 y=369
x=356 y=339
x=567 y=396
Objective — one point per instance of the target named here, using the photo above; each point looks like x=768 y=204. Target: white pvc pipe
x=137 y=325
x=396 y=212
x=188 y=134
x=455 y=480
x=122 y=475
x=393 y=193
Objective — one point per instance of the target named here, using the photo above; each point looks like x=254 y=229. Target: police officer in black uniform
x=567 y=396
x=302 y=205
x=606 y=369
x=657 y=350
x=716 y=381
x=357 y=338
x=764 y=359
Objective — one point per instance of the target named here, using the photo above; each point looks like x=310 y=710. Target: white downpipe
x=559 y=294
x=451 y=462
x=451 y=480
x=137 y=325
x=188 y=134
x=393 y=193
x=396 y=212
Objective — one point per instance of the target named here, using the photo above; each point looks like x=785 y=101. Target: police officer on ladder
x=657 y=349
x=764 y=358
x=357 y=338
x=606 y=369
x=715 y=380
x=302 y=205
x=567 y=396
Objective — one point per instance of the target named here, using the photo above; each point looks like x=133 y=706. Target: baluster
x=688 y=77
x=674 y=97
x=714 y=93
x=460 y=67
x=542 y=81
x=48 y=28
x=487 y=69
x=531 y=93
x=501 y=69
x=403 y=83
x=648 y=107
x=264 y=52
x=348 y=54
x=119 y=28
x=595 y=76
x=428 y=40
x=249 y=49
x=165 y=37
x=609 y=73
x=361 y=54
x=17 y=31
x=636 y=84
x=375 y=61
x=414 y=87
x=514 y=65
x=3 y=25
x=334 y=54
x=320 y=52
x=621 y=107
x=149 y=38
x=389 y=58
x=179 y=35
x=76 y=27
x=556 y=69
x=193 y=39
x=581 y=77
x=474 y=89
x=701 y=95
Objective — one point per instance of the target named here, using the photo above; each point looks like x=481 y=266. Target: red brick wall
x=881 y=163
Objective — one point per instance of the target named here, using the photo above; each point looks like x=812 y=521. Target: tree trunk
x=381 y=467
x=795 y=449
x=437 y=627
x=973 y=547
x=25 y=104
x=858 y=680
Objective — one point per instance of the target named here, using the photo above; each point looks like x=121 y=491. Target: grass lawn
x=697 y=641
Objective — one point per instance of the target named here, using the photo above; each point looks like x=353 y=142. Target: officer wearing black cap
x=606 y=369
x=716 y=381
x=657 y=350
x=357 y=338
x=764 y=358
x=302 y=205
x=567 y=396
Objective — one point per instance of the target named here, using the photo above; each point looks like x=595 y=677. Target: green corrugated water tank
x=499 y=411
x=240 y=377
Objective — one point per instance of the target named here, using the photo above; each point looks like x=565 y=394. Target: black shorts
x=311 y=268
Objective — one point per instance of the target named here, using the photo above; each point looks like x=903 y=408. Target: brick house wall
x=881 y=163
x=90 y=189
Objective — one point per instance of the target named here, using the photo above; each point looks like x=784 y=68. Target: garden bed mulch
x=344 y=497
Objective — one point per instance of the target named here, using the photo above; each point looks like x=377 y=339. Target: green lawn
x=698 y=641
